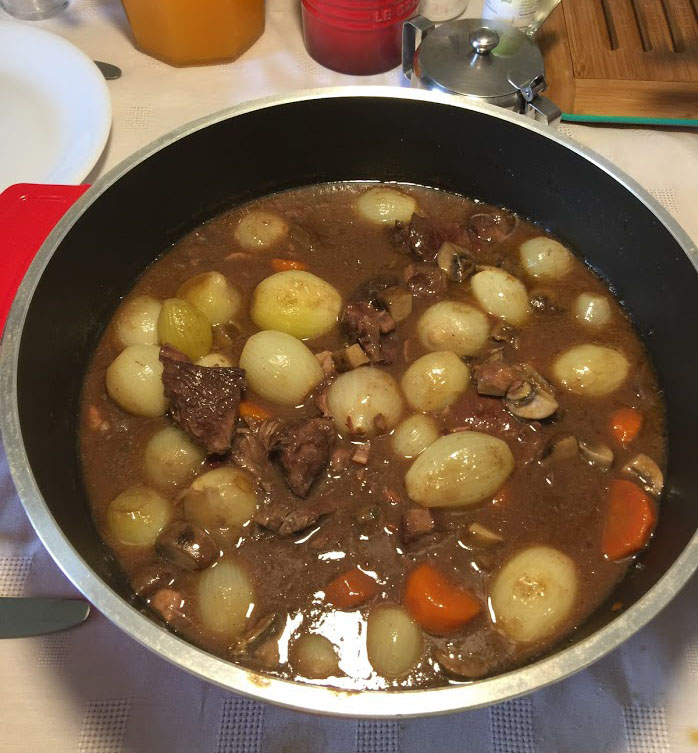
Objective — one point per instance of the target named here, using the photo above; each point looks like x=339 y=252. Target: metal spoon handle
x=109 y=71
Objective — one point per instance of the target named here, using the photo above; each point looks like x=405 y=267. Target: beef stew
x=372 y=436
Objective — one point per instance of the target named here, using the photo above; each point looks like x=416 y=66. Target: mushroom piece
x=597 y=454
x=349 y=358
x=561 y=447
x=424 y=280
x=262 y=629
x=266 y=654
x=647 y=471
x=527 y=400
x=397 y=301
x=455 y=261
x=483 y=535
x=300 y=240
x=187 y=546
x=326 y=361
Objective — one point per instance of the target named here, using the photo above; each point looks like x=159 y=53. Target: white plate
x=55 y=111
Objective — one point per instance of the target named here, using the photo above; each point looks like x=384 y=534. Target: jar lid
x=477 y=58
x=345 y=14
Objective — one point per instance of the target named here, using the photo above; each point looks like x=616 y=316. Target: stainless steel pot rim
x=367 y=704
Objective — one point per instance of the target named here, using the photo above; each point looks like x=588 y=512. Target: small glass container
x=359 y=37
x=443 y=10
x=518 y=13
x=187 y=32
x=33 y=10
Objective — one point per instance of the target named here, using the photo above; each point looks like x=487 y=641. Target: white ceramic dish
x=55 y=110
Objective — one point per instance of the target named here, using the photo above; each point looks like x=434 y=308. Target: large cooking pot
x=139 y=209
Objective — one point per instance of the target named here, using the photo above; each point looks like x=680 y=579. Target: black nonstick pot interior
x=150 y=206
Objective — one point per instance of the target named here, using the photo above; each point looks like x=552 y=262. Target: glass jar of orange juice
x=195 y=32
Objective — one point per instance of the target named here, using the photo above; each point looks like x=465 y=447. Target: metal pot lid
x=477 y=57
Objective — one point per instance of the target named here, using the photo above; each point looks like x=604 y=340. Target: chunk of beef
x=285 y=518
x=172 y=607
x=151 y=578
x=251 y=448
x=320 y=398
x=391 y=349
x=420 y=236
x=204 y=401
x=304 y=449
x=170 y=352
x=491 y=228
x=361 y=453
x=494 y=376
x=505 y=333
x=425 y=280
x=364 y=324
x=380 y=425
x=300 y=241
x=248 y=453
x=526 y=394
x=465 y=666
x=297 y=520
x=416 y=522
x=327 y=364
x=381 y=319
x=488 y=415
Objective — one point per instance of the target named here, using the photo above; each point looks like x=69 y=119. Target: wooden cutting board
x=623 y=58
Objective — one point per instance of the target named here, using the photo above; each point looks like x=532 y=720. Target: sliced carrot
x=438 y=605
x=248 y=409
x=351 y=589
x=630 y=519
x=283 y=265
x=625 y=424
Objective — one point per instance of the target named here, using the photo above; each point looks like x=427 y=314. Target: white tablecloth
x=94 y=690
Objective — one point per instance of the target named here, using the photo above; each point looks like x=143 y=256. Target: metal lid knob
x=483 y=40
